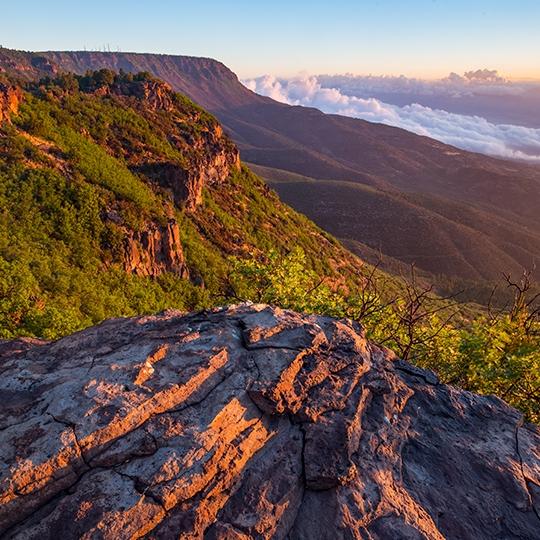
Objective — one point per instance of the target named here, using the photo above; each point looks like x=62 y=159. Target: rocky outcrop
x=156 y=94
x=211 y=166
x=210 y=156
x=252 y=422
x=155 y=250
x=43 y=65
x=10 y=99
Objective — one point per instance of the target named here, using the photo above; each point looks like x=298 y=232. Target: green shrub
x=497 y=355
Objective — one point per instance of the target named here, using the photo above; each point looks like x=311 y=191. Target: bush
x=497 y=354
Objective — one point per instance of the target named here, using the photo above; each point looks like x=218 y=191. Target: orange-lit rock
x=10 y=99
x=155 y=250
x=252 y=422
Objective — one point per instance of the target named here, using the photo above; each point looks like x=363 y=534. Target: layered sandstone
x=252 y=422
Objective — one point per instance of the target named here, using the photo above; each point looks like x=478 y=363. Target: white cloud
x=479 y=82
x=467 y=132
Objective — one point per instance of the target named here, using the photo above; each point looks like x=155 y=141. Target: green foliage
x=71 y=159
x=500 y=356
x=46 y=120
x=97 y=166
x=52 y=278
x=285 y=281
x=497 y=355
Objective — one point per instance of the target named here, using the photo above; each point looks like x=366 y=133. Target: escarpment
x=212 y=163
x=252 y=422
x=110 y=180
x=10 y=99
x=155 y=250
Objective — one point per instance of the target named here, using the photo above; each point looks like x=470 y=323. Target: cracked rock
x=252 y=422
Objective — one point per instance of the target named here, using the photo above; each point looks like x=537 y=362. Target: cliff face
x=210 y=156
x=10 y=99
x=252 y=422
x=156 y=94
x=155 y=250
x=213 y=164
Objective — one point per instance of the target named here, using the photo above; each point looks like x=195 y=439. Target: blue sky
x=427 y=38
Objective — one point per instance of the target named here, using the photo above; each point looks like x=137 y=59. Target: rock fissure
x=519 y=426
x=428 y=376
x=141 y=488
x=11 y=530
x=75 y=437
x=197 y=402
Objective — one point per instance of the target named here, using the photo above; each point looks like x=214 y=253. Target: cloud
x=472 y=133
x=483 y=75
x=478 y=82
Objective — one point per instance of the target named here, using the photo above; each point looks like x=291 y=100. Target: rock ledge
x=252 y=422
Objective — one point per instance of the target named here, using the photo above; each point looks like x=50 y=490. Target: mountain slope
x=252 y=422
x=440 y=235
x=120 y=197
x=336 y=149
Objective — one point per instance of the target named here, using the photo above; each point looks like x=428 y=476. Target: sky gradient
x=422 y=38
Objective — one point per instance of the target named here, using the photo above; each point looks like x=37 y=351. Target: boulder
x=252 y=422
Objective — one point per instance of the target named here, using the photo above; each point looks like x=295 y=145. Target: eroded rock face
x=212 y=168
x=10 y=99
x=213 y=160
x=157 y=95
x=210 y=157
x=252 y=422
x=186 y=183
x=216 y=160
x=155 y=250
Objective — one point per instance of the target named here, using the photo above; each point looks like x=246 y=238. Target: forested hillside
x=121 y=197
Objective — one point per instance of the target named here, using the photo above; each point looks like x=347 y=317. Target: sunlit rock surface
x=252 y=422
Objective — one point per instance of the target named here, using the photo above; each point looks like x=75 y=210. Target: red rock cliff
x=252 y=422
x=155 y=250
x=10 y=99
